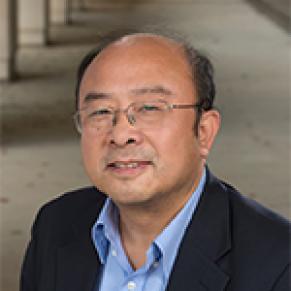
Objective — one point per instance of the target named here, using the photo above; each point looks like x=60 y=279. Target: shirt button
x=114 y=253
x=156 y=264
x=131 y=285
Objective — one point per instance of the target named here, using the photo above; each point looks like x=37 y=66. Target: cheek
x=90 y=152
x=177 y=145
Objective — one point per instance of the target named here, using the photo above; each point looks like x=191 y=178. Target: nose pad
x=131 y=119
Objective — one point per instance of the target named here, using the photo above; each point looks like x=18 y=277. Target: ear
x=208 y=127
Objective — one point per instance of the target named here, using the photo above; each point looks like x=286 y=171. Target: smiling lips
x=128 y=166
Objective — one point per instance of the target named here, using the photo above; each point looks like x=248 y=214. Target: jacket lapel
x=197 y=273
x=78 y=264
x=78 y=267
x=206 y=241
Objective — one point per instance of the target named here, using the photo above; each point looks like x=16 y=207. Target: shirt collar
x=105 y=230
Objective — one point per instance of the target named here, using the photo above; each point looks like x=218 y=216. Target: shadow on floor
x=278 y=18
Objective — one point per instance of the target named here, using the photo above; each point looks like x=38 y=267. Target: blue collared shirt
x=117 y=273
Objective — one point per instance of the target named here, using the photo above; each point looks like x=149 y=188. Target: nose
x=124 y=132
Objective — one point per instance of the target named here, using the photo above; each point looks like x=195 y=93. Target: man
x=156 y=218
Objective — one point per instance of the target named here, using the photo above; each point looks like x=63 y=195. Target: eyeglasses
x=144 y=114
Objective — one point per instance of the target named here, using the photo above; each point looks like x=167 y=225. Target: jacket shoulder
x=260 y=236
x=57 y=224
x=251 y=215
x=74 y=201
x=57 y=218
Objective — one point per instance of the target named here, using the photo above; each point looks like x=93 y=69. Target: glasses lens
x=144 y=114
x=150 y=112
x=96 y=117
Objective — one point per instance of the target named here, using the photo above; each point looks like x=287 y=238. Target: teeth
x=126 y=165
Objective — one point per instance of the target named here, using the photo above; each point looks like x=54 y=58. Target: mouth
x=128 y=168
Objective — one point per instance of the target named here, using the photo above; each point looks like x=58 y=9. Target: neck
x=141 y=224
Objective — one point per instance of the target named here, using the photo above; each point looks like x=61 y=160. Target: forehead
x=140 y=60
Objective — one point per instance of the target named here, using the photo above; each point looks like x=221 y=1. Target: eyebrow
x=158 y=89
x=96 y=96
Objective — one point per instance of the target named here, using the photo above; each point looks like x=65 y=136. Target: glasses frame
x=130 y=117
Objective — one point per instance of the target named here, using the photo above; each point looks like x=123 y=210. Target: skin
x=172 y=157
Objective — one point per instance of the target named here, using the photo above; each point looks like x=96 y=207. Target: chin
x=130 y=196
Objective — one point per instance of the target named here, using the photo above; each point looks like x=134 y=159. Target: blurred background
x=41 y=44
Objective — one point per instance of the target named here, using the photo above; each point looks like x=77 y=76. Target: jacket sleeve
x=283 y=283
x=27 y=278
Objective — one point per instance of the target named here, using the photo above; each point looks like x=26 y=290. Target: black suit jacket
x=231 y=244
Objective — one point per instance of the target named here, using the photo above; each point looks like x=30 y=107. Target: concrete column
x=59 y=11
x=7 y=38
x=33 y=22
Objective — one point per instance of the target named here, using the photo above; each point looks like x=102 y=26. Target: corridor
x=39 y=154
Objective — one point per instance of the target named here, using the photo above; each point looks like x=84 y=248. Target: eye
x=150 y=108
x=100 y=112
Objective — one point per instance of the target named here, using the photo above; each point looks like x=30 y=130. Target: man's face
x=134 y=165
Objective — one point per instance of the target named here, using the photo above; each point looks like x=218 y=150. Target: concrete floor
x=39 y=154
